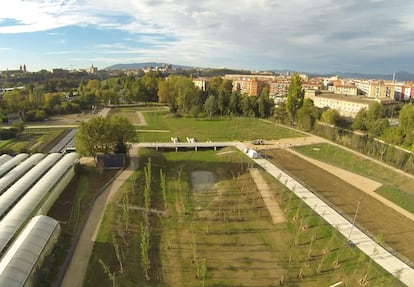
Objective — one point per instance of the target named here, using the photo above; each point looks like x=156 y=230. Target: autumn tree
x=105 y=135
x=295 y=97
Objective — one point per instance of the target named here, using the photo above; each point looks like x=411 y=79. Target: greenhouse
x=19 y=265
x=20 y=187
x=7 y=166
x=4 y=158
x=12 y=176
x=38 y=199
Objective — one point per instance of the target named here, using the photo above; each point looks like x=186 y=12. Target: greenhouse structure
x=18 y=267
x=39 y=199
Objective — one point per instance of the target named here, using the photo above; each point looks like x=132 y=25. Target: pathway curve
x=76 y=271
x=381 y=256
x=362 y=183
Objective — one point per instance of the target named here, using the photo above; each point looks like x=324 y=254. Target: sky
x=367 y=36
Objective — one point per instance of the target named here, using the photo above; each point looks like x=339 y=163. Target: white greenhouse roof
x=17 y=264
x=16 y=217
x=4 y=168
x=20 y=187
x=4 y=158
x=9 y=178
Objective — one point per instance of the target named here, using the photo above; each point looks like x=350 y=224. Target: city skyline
x=370 y=36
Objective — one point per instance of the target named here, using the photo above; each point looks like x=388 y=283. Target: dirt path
x=365 y=184
x=76 y=271
x=271 y=204
x=141 y=119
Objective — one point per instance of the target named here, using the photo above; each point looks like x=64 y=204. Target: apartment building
x=201 y=83
x=380 y=89
x=348 y=106
x=251 y=85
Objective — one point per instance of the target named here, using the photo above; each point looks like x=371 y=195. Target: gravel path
x=78 y=266
x=365 y=184
x=141 y=119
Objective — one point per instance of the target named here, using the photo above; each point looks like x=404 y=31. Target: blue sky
x=373 y=36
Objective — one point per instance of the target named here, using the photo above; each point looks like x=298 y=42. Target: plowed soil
x=382 y=222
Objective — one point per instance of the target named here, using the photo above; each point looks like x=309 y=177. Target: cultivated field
x=382 y=222
x=212 y=228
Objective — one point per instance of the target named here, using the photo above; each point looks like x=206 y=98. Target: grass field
x=214 y=129
x=131 y=112
x=31 y=140
x=221 y=235
x=396 y=186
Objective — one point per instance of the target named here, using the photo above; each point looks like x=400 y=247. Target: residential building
x=348 y=106
x=201 y=83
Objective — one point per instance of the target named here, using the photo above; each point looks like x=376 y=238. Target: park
x=209 y=224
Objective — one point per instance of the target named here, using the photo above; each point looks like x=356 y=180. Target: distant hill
x=401 y=76
x=136 y=66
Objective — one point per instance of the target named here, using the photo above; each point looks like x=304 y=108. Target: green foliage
x=106 y=135
x=371 y=120
x=330 y=116
x=360 y=121
x=307 y=115
x=406 y=120
x=295 y=97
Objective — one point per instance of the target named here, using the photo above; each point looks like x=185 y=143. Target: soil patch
x=374 y=216
x=271 y=204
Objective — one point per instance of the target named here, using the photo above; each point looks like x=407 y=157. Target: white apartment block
x=347 y=106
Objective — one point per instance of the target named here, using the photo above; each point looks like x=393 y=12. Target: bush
x=6 y=134
x=35 y=115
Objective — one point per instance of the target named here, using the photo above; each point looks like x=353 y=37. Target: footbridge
x=185 y=145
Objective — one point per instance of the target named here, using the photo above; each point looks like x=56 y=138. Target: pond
x=202 y=180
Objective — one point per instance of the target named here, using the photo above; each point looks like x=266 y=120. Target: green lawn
x=396 y=186
x=214 y=129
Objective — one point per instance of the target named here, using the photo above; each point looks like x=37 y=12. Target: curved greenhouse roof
x=16 y=217
x=4 y=168
x=18 y=263
x=4 y=158
x=20 y=187
x=9 y=178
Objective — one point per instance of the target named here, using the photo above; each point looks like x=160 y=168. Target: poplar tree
x=295 y=97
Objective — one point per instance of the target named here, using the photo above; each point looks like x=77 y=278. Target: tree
x=295 y=97
x=210 y=106
x=234 y=105
x=360 y=120
x=307 y=115
x=330 y=116
x=406 y=119
x=264 y=104
x=106 y=135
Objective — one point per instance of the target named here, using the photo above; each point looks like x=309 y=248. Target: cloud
x=263 y=33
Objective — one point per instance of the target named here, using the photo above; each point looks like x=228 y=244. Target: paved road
x=67 y=141
x=381 y=256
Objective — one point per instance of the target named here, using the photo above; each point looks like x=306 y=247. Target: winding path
x=78 y=266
